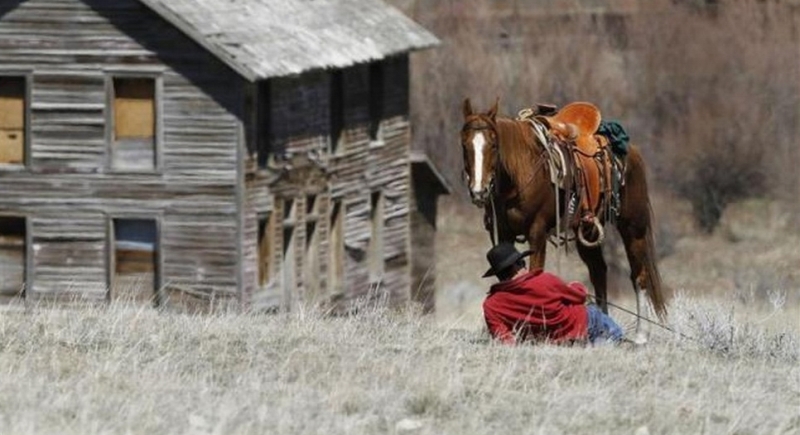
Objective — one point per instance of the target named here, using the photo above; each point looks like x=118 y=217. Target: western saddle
x=576 y=125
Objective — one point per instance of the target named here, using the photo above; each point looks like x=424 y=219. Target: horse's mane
x=517 y=148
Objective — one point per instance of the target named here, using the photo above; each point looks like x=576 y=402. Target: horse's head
x=479 y=144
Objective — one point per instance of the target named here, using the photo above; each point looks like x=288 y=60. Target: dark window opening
x=376 y=99
x=288 y=265
x=312 y=267
x=336 y=248
x=12 y=256
x=264 y=123
x=266 y=228
x=336 y=109
x=375 y=248
x=134 y=268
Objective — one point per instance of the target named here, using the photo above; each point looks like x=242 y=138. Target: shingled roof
x=272 y=38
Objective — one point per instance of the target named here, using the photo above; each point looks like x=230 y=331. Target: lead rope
x=495 y=233
x=558 y=228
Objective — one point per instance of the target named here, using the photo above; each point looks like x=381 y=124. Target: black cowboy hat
x=502 y=256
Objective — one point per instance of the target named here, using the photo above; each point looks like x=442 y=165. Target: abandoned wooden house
x=247 y=152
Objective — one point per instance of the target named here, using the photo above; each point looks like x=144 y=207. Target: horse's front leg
x=598 y=271
x=537 y=239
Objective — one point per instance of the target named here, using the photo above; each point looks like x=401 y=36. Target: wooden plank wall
x=70 y=49
x=301 y=128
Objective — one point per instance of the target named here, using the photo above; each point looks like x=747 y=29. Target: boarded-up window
x=336 y=249
x=12 y=255
x=311 y=273
x=12 y=120
x=376 y=97
x=266 y=228
x=336 y=110
x=375 y=249
x=134 y=123
x=134 y=260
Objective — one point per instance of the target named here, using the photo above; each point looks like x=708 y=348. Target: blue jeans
x=602 y=327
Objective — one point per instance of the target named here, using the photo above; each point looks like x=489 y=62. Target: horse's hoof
x=640 y=339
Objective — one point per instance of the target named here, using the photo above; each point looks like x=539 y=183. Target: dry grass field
x=120 y=370
x=123 y=370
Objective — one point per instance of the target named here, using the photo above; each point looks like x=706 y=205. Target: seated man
x=539 y=306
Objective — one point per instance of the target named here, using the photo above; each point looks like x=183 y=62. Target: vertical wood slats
x=358 y=170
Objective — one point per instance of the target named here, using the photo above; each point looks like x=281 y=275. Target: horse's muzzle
x=479 y=198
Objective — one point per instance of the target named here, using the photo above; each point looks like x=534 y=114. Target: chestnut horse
x=508 y=176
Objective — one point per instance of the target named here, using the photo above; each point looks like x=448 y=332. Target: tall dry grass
x=120 y=369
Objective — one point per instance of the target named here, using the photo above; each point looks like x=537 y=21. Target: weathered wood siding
x=69 y=50
x=300 y=120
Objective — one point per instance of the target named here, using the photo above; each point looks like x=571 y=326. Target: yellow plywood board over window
x=12 y=143
x=134 y=108
x=12 y=119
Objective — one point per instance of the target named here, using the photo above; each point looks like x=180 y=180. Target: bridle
x=492 y=187
x=490 y=125
x=487 y=124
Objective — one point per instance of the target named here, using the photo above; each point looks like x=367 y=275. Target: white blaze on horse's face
x=478 y=145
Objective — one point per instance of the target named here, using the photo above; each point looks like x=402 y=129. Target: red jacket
x=538 y=306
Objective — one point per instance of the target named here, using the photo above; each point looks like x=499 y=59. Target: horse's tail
x=655 y=290
x=654 y=285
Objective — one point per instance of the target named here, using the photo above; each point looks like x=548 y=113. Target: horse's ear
x=492 y=113
x=467 y=107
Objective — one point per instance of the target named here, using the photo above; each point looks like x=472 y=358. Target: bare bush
x=710 y=94
x=722 y=97
x=490 y=53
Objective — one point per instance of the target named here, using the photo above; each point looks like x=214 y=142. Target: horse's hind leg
x=593 y=258
x=637 y=250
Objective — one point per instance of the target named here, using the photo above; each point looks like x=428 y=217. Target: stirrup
x=601 y=235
